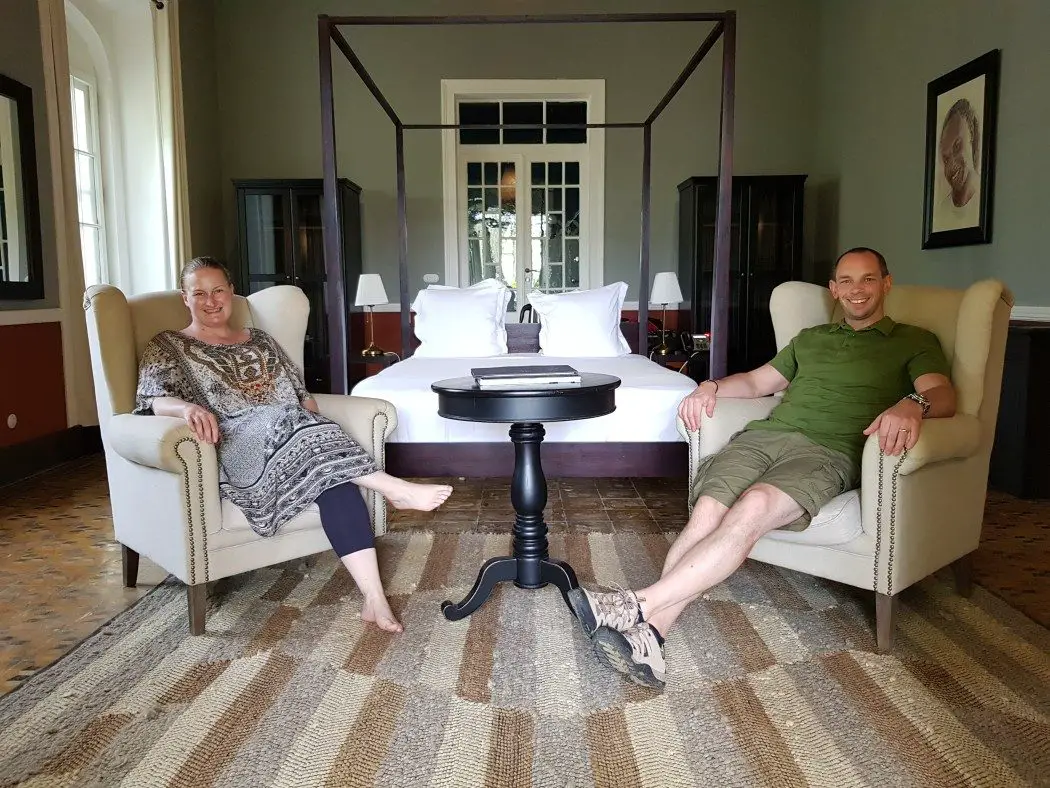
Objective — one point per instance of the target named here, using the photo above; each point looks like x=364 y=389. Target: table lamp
x=665 y=291
x=370 y=291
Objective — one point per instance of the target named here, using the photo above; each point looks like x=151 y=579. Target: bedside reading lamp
x=370 y=291
x=665 y=291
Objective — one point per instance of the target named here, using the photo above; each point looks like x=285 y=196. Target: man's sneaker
x=617 y=610
x=637 y=653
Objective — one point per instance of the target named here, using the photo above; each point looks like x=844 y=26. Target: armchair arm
x=731 y=416
x=153 y=441
x=367 y=420
x=954 y=438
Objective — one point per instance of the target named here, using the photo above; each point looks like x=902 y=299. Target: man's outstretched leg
x=620 y=609
x=638 y=651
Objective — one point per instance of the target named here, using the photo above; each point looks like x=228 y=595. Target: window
x=494 y=113
x=524 y=205
x=89 y=181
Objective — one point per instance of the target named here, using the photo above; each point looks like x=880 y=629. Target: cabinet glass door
x=308 y=248
x=771 y=251
x=267 y=218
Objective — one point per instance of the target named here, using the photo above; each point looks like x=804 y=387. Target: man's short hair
x=964 y=109
x=862 y=250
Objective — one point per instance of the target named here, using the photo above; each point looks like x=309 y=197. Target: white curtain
x=168 y=64
x=76 y=361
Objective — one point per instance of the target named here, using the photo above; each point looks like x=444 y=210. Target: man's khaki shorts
x=810 y=473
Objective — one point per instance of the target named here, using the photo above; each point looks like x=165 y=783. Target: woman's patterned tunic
x=275 y=456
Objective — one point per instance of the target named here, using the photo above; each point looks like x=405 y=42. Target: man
x=959 y=150
x=865 y=375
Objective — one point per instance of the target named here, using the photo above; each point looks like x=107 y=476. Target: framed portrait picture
x=960 y=154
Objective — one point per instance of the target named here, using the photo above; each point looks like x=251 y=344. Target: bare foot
x=423 y=497
x=377 y=611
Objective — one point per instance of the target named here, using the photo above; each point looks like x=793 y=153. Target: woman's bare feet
x=424 y=497
x=377 y=611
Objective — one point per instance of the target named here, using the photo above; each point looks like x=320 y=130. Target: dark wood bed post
x=720 y=291
x=647 y=142
x=328 y=33
x=402 y=240
x=643 y=263
x=335 y=287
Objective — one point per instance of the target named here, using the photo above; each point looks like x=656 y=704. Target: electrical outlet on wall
x=430 y=278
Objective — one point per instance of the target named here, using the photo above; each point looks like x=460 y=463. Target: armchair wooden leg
x=197 y=597
x=963 y=570
x=885 y=621
x=129 y=561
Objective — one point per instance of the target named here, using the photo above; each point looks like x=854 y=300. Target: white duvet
x=646 y=401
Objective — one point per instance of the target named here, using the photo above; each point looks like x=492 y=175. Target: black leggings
x=345 y=520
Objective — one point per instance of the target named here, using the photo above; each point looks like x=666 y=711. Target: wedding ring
x=903 y=429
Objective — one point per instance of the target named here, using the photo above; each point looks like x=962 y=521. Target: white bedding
x=646 y=401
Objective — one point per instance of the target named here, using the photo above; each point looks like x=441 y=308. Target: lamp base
x=661 y=350
x=373 y=352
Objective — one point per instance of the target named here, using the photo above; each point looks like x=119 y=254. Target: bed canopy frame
x=328 y=32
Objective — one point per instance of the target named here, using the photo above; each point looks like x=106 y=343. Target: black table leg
x=531 y=565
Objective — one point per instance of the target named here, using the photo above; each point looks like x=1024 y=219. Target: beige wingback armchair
x=164 y=484
x=940 y=485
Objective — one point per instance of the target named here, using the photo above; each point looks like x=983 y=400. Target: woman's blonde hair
x=197 y=263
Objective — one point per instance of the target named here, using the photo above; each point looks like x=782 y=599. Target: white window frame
x=592 y=198
x=94 y=138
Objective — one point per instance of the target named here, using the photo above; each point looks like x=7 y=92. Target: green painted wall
x=876 y=59
x=201 y=119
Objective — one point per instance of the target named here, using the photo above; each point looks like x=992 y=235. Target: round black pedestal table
x=525 y=409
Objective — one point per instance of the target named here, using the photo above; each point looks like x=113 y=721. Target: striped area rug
x=772 y=681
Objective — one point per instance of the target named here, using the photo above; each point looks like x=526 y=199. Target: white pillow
x=461 y=323
x=484 y=284
x=582 y=322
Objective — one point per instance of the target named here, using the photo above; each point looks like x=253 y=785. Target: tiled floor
x=60 y=570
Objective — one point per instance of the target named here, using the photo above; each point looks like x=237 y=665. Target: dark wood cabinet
x=280 y=242
x=1020 y=463
x=765 y=250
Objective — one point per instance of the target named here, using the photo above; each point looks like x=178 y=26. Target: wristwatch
x=922 y=401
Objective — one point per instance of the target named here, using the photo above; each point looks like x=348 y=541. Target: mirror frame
x=33 y=290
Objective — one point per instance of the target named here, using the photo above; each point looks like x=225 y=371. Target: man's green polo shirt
x=841 y=379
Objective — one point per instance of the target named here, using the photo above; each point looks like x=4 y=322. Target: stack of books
x=525 y=376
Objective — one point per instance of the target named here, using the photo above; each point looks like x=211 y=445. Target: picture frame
x=961 y=111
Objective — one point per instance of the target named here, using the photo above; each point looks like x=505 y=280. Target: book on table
x=526 y=375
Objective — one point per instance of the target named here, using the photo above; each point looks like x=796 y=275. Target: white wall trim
x=591 y=90
x=20 y=317
x=1040 y=313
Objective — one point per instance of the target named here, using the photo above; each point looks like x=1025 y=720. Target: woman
x=237 y=389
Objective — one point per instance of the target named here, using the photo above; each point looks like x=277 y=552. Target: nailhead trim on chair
x=189 y=508
x=379 y=441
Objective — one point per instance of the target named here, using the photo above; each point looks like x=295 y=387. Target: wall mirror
x=21 y=275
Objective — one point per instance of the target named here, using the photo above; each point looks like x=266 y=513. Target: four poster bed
x=640 y=438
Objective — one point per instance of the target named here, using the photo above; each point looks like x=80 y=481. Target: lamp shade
x=666 y=289
x=370 y=291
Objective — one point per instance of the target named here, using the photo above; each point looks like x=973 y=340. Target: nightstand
x=359 y=367
x=696 y=363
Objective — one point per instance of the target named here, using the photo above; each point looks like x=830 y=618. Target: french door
x=522 y=218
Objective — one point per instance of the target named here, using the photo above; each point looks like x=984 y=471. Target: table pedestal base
x=530 y=566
